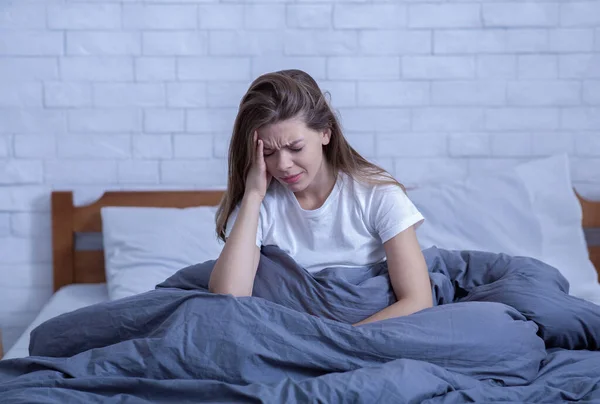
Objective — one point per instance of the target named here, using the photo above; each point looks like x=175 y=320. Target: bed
x=78 y=258
x=70 y=297
x=80 y=282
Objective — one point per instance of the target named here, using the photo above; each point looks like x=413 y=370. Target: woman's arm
x=233 y=272
x=235 y=269
x=409 y=277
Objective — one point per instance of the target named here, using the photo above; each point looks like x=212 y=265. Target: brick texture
x=113 y=94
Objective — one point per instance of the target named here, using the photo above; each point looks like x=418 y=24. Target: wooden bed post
x=63 y=243
x=591 y=226
x=74 y=265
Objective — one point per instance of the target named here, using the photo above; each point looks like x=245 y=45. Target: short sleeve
x=233 y=217
x=392 y=212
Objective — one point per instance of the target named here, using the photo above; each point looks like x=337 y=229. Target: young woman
x=295 y=182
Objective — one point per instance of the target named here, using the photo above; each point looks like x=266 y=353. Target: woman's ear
x=326 y=136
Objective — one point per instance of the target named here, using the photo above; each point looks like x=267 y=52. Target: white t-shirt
x=348 y=230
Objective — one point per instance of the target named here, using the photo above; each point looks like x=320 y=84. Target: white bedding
x=66 y=299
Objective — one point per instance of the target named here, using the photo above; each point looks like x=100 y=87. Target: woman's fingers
x=256 y=147
x=261 y=157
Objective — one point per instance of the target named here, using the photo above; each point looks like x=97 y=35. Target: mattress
x=68 y=298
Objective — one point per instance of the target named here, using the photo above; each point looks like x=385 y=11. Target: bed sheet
x=66 y=299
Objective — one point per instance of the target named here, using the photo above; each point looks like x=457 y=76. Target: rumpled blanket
x=502 y=328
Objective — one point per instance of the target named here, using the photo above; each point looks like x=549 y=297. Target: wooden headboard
x=71 y=265
x=591 y=227
x=87 y=266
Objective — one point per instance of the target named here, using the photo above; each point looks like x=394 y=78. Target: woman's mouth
x=292 y=179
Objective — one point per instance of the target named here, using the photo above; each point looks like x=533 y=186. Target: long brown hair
x=276 y=97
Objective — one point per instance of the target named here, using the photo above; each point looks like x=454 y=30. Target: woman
x=295 y=182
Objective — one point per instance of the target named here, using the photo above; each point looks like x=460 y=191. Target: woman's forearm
x=403 y=307
x=235 y=269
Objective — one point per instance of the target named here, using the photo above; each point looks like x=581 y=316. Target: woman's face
x=293 y=152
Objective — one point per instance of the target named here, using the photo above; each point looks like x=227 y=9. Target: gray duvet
x=502 y=329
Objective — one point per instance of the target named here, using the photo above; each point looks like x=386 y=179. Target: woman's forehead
x=283 y=133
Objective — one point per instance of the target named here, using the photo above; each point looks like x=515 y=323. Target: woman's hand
x=258 y=178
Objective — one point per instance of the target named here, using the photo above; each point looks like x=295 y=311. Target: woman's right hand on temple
x=258 y=178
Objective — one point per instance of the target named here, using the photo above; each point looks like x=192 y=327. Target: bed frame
x=69 y=222
x=74 y=265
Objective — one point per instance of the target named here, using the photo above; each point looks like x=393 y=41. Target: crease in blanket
x=498 y=324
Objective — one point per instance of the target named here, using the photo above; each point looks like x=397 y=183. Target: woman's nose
x=284 y=161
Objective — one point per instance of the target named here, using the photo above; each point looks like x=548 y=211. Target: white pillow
x=488 y=213
x=559 y=213
x=144 y=246
x=529 y=210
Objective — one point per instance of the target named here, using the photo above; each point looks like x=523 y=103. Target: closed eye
x=296 y=150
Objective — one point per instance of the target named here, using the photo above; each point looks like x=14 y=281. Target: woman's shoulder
x=371 y=186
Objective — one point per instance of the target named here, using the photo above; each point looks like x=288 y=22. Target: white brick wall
x=130 y=94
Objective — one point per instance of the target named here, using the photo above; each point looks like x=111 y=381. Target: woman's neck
x=317 y=192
